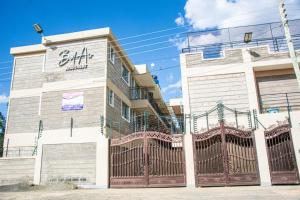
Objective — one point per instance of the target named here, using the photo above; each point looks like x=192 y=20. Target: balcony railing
x=20 y=151
x=279 y=102
x=144 y=122
x=137 y=93
x=271 y=34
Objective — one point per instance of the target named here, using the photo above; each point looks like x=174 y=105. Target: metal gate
x=281 y=156
x=147 y=159
x=225 y=156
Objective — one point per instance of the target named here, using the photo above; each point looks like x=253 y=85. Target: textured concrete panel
x=69 y=162
x=54 y=118
x=23 y=115
x=16 y=170
x=28 y=72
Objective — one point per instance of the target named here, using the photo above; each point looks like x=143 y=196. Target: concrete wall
x=206 y=91
x=277 y=84
x=23 y=115
x=16 y=170
x=264 y=54
x=114 y=73
x=229 y=57
x=69 y=162
x=45 y=81
x=116 y=124
x=28 y=72
x=96 y=64
x=54 y=118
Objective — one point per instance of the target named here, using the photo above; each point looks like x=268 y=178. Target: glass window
x=112 y=54
x=125 y=74
x=125 y=111
x=111 y=98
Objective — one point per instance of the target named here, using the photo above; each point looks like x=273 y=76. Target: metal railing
x=271 y=34
x=276 y=44
x=221 y=113
x=279 y=102
x=143 y=123
x=20 y=151
x=137 y=93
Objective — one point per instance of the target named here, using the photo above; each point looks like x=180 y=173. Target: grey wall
x=23 y=115
x=60 y=162
x=96 y=65
x=16 y=170
x=114 y=73
x=262 y=54
x=114 y=116
x=54 y=118
x=23 y=112
x=206 y=91
x=231 y=56
x=278 y=85
x=28 y=72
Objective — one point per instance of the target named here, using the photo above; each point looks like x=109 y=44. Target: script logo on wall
x=72 y=101
x=76 y=61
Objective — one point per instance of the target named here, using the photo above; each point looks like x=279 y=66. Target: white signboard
x=72 y=101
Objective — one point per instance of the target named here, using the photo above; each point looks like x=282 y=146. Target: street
x=232 y=193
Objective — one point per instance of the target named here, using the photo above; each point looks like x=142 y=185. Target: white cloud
x=3 y=98
x=223 y=13
x=207 y=14
x=170 y=78
x=152 y=65
x=179 y=20
x=194 y=41
x=171 y=87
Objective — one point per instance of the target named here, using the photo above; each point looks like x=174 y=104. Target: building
x=246 y=87
x=69 y=94
x=80 y=112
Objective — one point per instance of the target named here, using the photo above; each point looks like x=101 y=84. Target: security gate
x=147 y=159
x=281 y=156
x=225 y=156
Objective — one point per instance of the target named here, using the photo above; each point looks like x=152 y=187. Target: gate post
x=262 y=158
x=295 y=136
x=102 y=161
x=189 y=155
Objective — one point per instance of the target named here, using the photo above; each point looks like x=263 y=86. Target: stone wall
x=69 y=162
x=16 y=170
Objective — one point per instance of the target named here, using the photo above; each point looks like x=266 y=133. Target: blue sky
x=126 y=18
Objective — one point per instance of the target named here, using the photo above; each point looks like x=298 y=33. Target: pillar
x=262 y=158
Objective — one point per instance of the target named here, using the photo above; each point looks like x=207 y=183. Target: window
x=125 y=111
x=112 y=54
x=111 y=98
x=125 y=74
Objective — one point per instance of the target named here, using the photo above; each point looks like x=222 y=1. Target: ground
x=232 y=193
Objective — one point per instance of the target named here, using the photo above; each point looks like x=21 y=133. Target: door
x=147 y=159
x=225 y=156
x=281 y=156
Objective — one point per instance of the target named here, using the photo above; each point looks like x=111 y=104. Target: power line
x=205 y=51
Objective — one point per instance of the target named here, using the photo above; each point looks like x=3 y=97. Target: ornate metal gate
x=224 y=155
x=281 y=156
x=147 y=159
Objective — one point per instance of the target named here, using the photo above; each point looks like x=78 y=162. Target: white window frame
x=112 y=58
x=112 y=104
x=129 y=111
x=126 y=81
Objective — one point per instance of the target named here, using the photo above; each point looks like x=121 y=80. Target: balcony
x=139 y=93
x=279 y=102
